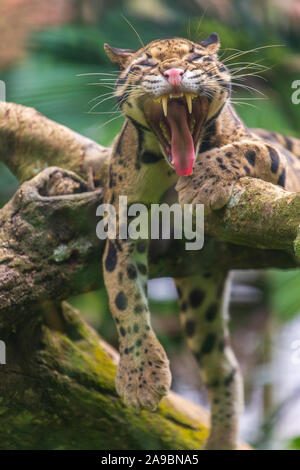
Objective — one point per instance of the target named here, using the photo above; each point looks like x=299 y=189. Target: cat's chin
x=177 y=120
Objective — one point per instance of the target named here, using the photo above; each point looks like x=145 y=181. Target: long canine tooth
x=164 y=101
x=157 y=100
x=188 y=98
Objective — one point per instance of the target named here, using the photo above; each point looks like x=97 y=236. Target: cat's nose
x=174 y=76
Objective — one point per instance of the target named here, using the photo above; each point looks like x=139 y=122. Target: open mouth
x=177 y=119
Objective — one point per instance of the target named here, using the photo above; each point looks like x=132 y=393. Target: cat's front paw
x=213 y=192
x=143 y=375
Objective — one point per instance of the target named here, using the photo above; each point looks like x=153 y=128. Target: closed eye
x=147 y=63
x=195 y=58
x=197 y=61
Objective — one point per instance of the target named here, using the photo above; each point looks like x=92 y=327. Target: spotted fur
x=227 y=150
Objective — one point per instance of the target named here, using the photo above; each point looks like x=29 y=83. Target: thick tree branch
x=49 y=248
x=48 y=241
x=260 y=215
x=29 y=142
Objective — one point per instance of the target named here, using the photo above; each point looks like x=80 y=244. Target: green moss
x=235 y=197
x=3 y=410
x=67 y=400
x=64 y=252
x=297 y=245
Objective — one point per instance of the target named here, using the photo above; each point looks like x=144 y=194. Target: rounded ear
x=120 y=57
x=211 y=43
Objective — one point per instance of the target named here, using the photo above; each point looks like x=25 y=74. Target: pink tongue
x=182 y=145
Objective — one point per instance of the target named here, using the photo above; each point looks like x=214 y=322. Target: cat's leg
x=204 y=304
x=143 y=375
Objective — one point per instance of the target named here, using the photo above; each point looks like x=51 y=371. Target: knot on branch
x=50 y=221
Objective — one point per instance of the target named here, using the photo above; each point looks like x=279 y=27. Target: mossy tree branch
x=259 y=215
x=57 y=392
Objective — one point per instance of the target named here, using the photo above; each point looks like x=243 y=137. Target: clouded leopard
x=181 y=129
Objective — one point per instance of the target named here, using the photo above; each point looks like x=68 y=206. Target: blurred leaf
x=54 y=88
x=229 y=37
x=8 y=184
x=263 y=113
x=283 y=287
x=294 y=444
x=79 y=43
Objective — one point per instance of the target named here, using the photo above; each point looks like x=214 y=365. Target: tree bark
x=57 y=388
x=57 y=392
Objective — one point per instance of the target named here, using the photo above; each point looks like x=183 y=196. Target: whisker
x=240 y=53
x=248 y=87
x=103 y=112
x=238 y=103
x=109 y=87
x=113 y=119
x=98 y=73
x=188 y=28
x=236 y=70
x=241 y=85
x=250 y=64
x=255 y=67
x=100 y=102
x=109 y=81
x=111 y=94
x=201 y=19
x=111 y=84
x=133 y=28
x=242 y=76
x=253 y=98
